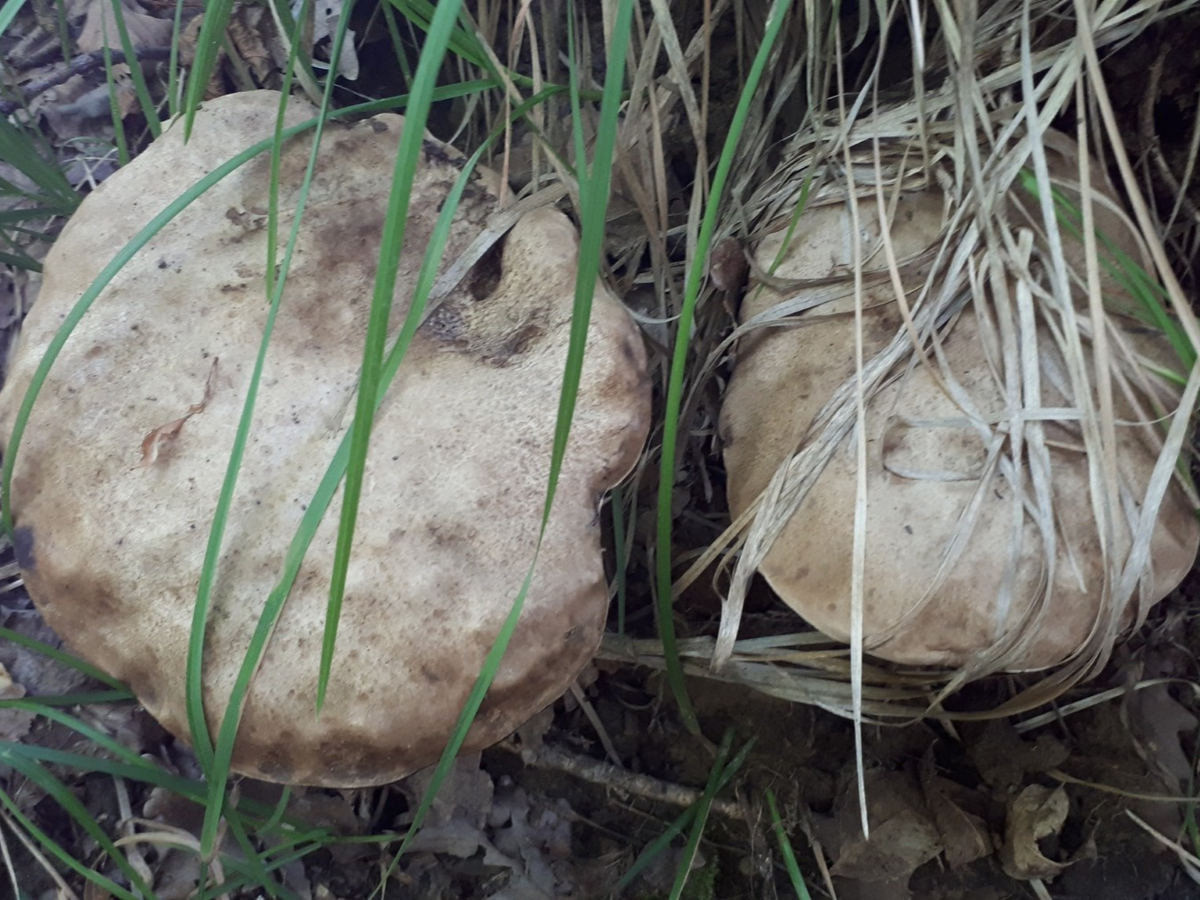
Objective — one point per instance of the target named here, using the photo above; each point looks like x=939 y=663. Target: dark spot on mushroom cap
x=23 y=545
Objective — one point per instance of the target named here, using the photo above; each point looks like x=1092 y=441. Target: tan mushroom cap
x=111 y=547
x=783 y=377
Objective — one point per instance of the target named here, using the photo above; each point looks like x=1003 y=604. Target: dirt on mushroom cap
x=456 y=474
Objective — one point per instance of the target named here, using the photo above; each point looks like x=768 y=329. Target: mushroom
x=926 y=603
x=118 y=474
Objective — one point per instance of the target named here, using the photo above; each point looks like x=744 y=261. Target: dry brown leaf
x=727 y=265
x=14 y=723
x=100 y=27
x=1003 y=758
x=965 y=836
x=1037 y=813
x=1155 y=719
x=896 y=849
x=153 y=442
x=465 y=794
x=187 y=56
x=252 y=33
x=902 y=836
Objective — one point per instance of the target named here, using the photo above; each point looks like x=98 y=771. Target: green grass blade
x=114 y=106
x=197 y=720
x=208 y=45
x=408 y=156
x=464 y=43
x=12 y=216
x=659 y=845
x=256 y=866
x=666 y=483
x=1135 y=280
x=576 y=95
x=327 y=489
x=143 y=237
x=299 y=63
x=20 y=261
x=63 y=657
x=62 y=20
x=71 y=805
x=594 y=195
x=19 y=149
x=173 y=61
x=8 y=12
x=238 y=878
x=785 y=850
x=95 y=735
x=135 y=71
x=83 y=698
x=389 y=18
x=700 y=819
x=217 y=769
x=143 y=772
x=461 y=41
x=56 y=850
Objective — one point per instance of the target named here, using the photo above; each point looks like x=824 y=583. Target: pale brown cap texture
x=112 y=541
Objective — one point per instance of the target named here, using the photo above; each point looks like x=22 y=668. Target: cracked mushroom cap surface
x=113 y=496
x=924 y=458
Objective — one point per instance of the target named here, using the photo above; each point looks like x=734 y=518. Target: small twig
x=1151 y=144
x=80 y=65
x=588 y=710
x=818 y=850
x=617 y=779
x=129 y=829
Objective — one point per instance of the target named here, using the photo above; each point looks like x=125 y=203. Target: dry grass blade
x=9 y=867
x=32 y=848
x=1189 y=860
x=972 y=138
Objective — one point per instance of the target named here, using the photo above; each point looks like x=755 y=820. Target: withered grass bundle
x=938 y=268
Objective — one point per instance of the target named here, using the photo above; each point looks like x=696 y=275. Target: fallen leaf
x=1038 y=812
x=537 y=834
x=465 y=794
x=896 y=849
x=100 y=27
x=176 y=875
x=153 y=442
x=1003 y=758
x=902 y=836
x=727 y=265
x=251 y=33
x=1156 y=719
x=14 y=723
x=965 y=837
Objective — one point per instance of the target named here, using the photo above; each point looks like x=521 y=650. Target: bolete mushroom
x=942 y=582
x=118 y=474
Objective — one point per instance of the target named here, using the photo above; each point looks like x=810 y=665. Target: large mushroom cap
x=112 y=524
x=930 y=597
